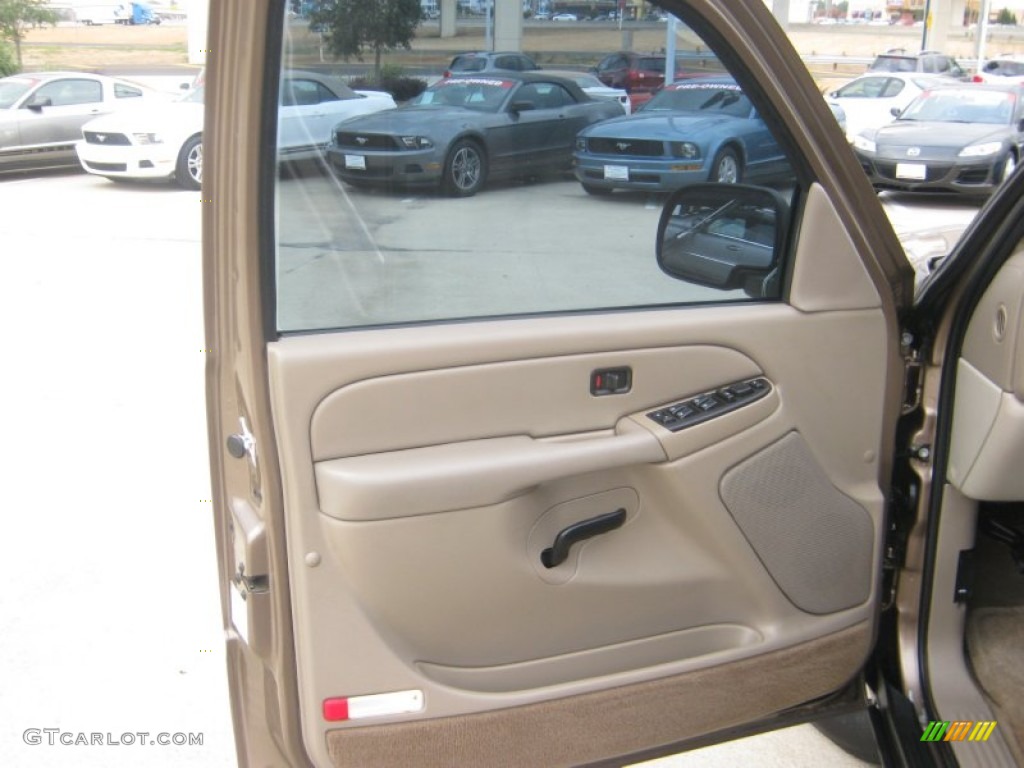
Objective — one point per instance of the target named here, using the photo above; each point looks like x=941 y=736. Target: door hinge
x=892 y=563
x=912 y=374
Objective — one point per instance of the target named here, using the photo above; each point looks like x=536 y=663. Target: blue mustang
x=699 y=129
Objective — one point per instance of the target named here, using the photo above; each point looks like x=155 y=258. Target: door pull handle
x=558 y=552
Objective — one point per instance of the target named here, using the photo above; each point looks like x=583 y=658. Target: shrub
x=8 y=65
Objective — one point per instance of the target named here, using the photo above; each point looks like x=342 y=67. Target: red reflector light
x=977 y=79
x=335 y=710
x=447 y=73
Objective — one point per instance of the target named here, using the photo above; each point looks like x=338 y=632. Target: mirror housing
x=895 y=111
x=725 y=236
x=522 y=106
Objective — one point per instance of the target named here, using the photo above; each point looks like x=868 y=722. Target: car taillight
x=977 y=79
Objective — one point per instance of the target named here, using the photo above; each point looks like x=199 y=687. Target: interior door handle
x=557 y=553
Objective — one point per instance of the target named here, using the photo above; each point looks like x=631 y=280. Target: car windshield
x=720 y=98
x=962 y=105
x=656 y=64
x=12 y=89
x=1005 y=68
x=894 y=64
x=469 y=64
x=195 y=96
x=476 y=93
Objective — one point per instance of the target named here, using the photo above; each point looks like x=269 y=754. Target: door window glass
x=458 y=206
x=65 y=93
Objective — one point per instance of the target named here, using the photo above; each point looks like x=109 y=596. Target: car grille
x=626 y=147
x=350 y=140
x=122 y=167
x=107 y=139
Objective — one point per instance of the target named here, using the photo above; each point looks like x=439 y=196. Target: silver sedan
x=41 y=114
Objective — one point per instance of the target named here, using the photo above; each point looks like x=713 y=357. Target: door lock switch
x=611 y=381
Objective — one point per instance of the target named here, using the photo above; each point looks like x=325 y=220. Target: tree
x=352 y=26
x=1007 y=18
x=17 y=16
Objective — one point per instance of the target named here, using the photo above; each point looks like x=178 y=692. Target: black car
x=464 y=130
x=959 y=138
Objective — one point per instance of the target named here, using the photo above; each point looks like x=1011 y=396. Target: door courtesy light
x=374 y=705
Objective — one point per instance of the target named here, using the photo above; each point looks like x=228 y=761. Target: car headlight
x=416 y=142
x=148 y=138
x=864 y=144
x=981 y=150
x=685 y=149
x=581 y=144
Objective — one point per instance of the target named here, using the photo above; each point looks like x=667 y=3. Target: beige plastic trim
x=524 y=394
x=994 y=344
x=828 y=273
x=988 y=439
x=988 y=417
x=612 y=659
x=420 y=481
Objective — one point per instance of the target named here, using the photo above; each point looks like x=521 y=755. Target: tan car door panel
x=424 y=487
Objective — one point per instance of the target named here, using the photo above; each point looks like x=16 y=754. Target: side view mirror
x=522 y=106
x=725 y=236
x=895 y=111
x=36 y=104
x=833 y=94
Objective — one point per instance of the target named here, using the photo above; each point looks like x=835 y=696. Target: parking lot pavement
x=111 y=618
x=111 y=622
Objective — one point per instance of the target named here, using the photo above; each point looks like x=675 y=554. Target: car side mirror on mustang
x=522 y=106
x=726 y=236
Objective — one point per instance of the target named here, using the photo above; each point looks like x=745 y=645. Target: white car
x=1005 y=69
x=166 y=142
x=565 y=17
x=868 y=100
x=594 y=88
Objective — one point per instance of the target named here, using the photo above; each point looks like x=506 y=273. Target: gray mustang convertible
x=466 y=129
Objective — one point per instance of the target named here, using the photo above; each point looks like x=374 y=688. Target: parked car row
x=910 y=131
x=42 y=114
x=166 y=142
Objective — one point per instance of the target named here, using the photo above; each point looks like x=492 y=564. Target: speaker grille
x=815 y=542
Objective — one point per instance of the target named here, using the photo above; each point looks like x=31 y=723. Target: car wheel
x=590 y=189
x=189 y=170
x=465 y=169
x=726 y=168
x=1009 y=166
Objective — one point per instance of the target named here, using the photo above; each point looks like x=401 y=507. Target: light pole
x=927 y=33
x=489 y=27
